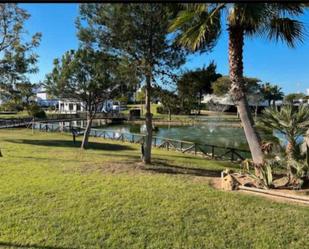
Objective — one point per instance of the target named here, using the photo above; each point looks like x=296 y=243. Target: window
x=71 y=107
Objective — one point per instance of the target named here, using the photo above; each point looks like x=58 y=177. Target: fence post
x=132 y=138
x=232 y=154
x=212 y=151
x=113 y=135
x=181 y=146
x=104 y=134
x=195 y=148
x=155 y=142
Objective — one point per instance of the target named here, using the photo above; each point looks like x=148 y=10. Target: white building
x=228 y=101
x=43 y=100
x=71 y=106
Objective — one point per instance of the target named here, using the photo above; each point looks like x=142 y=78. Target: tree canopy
x=138 y=32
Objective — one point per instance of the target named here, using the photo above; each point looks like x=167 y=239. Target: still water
x=212 y=131
x=208 y=133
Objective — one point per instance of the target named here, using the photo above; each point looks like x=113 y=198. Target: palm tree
x=199 y=26
x=272 y=92
x=292 y=123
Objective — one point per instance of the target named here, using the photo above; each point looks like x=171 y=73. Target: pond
x=211 y=131
x=202 y=133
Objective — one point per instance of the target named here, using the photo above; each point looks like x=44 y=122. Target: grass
x=22 y=114
x=227 y=117
x=53 y=195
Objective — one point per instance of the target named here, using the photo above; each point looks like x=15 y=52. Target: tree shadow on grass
x=165 y=167
x=17 y=245
x=66 y=143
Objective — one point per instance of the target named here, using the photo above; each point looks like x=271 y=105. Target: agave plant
x=265 y=177
x=293 y=123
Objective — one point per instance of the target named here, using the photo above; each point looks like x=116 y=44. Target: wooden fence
x=206 y=150
x=13 y=123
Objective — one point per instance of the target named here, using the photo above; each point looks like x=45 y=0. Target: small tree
x=86 y=76
x=168 y=99
x=139 y=33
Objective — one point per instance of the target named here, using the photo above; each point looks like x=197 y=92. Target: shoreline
x=184 y=123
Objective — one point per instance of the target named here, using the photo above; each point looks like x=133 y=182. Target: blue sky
x=268 y=61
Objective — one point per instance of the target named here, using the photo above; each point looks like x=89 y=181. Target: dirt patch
x=108 y=167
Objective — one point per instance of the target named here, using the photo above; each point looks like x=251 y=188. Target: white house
x=43 y=100
x=228 y=101
x=71 y=106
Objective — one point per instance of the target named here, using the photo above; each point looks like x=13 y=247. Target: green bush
x=174 y=111
x=35 y=111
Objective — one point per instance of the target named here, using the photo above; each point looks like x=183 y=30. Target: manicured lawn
x=53 y=195
x=23 y=114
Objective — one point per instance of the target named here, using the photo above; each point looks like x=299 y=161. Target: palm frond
x=198 y=27
x=285 y=29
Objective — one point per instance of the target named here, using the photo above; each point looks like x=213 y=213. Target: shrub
x=35 y=111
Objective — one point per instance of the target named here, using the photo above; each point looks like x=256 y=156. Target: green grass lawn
x=23 y=114
x=53 y=195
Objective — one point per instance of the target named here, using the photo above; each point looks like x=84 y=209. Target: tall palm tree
x=199 y=26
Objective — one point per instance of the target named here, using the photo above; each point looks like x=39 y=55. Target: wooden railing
x=17 y=122
x=206 y=150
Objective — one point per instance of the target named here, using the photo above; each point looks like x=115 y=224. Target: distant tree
x=272 y=93
x=187 y=93
x=139 y=33
x=199 y=81
x=26 y=90
x=223 y=84
x=252 y=89
x=87 y=76
x=169 y=100
x=289 y=98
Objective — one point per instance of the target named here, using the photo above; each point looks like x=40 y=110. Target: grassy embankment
x=183 y=118
x=53 y=195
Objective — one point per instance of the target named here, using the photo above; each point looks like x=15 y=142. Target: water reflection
x=207 y=134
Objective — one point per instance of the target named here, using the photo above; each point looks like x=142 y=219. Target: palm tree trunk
x=87 y=131
x=236 y=43
x=148 y=120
